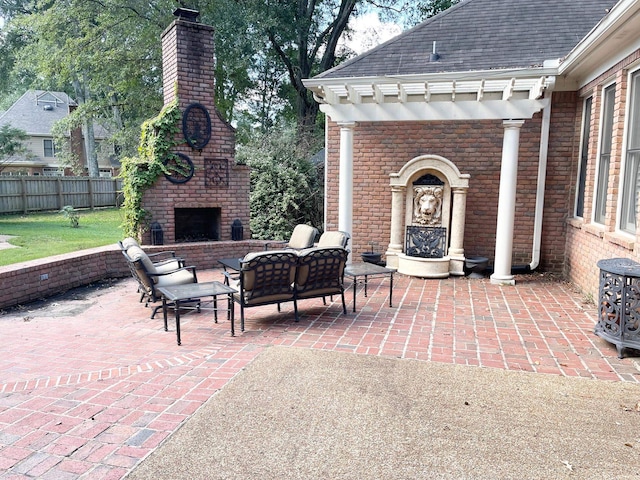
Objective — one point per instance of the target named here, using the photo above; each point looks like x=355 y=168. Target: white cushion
x=332 y=239
x=302 y=236
x=181 y=277
x=136 y=253
x=129 y=242
x=167 y=267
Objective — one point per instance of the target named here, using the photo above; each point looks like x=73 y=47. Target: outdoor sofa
x=279 y=276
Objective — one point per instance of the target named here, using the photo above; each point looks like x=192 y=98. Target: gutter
x=542 y=180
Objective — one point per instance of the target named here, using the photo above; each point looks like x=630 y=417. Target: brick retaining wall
x=29 y=281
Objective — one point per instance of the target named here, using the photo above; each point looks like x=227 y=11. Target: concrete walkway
x=90 y=385
x=4 y=242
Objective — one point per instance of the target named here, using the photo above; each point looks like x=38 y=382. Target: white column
x=507 y=203
x=456 y=249
x=345 y=190
x=396 y=241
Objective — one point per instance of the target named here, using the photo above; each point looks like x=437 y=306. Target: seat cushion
x=332 y=239
x=302 y=236
x=136 y=253
x=180 y=277
x=167 y=266
x=275 y=260
x=320 y=268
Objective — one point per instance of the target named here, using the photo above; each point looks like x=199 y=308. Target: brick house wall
x=588 y=242
x=475 y=147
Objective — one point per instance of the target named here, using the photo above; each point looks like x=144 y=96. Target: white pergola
x=512 y=96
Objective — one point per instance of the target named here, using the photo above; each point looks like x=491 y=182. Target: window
x=49 y=150
x=584 y=156
x=52 y=172
x=606 y=137
x=631 y=185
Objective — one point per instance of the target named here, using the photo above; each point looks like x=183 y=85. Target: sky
x=369 y=32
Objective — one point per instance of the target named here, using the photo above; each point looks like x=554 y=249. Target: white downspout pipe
x=541 y=185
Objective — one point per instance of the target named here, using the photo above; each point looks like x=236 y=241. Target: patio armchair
x=265 y=278
x=160 y=259
x=149 y=278
x=165 y=261
x=302 y=236
x=320 y=273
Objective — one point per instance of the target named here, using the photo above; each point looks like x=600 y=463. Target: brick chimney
x=203 y=207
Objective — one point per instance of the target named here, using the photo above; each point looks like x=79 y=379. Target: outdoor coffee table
x=366 y=270
x=193 y=292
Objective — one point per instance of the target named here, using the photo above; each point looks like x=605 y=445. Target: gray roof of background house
x=37 y=110
x=482 y=35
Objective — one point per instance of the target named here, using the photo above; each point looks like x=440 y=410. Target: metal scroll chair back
x=321 y=273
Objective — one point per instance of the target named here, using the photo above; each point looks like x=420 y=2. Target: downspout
x=542 y=179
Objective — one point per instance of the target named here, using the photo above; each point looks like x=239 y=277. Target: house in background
x=36 y=112
x=501 y=129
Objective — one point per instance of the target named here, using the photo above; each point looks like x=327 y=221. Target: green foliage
x=433 y=7
x=116 y=80
x=107 y=55
x=42 y=235
x=286 y=188
x=140 y=172
x=72 y=214
x=11 y=143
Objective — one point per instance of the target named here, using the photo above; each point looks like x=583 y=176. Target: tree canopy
x=11 y=144
x=107 y=54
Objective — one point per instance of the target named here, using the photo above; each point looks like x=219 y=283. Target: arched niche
x=454 y=193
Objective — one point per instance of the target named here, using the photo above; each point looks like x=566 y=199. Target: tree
x=433 y=7
x=286 y=188
x=305 y=36
x=105 y=55
x=11 y=144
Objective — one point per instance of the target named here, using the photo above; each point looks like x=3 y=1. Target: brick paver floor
x=90 y=385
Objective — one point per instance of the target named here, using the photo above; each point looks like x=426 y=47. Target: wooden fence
x=31 y=194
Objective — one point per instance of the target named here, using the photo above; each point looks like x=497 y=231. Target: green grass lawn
x=41 y=235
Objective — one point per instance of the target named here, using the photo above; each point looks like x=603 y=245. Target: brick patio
x=90 y=385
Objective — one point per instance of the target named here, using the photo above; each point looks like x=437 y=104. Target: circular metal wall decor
x=196 y=126
x=179 y=168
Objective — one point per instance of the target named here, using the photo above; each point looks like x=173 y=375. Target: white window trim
x=580 y=153
x=594 y=200
x=44 y=149
x=623 y=155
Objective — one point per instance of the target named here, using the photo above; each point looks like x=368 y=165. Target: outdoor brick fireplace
x=203 y=204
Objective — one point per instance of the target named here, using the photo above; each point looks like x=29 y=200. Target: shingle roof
x=36 y=111
x=482 y=35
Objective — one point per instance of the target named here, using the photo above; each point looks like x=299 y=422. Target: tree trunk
x=83 y=96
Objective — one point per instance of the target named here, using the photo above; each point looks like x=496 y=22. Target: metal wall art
x=196 y=126
x=216 y=172
x=425 y=242
x=179 y=168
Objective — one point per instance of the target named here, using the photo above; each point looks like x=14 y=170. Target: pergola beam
x=380 y=93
